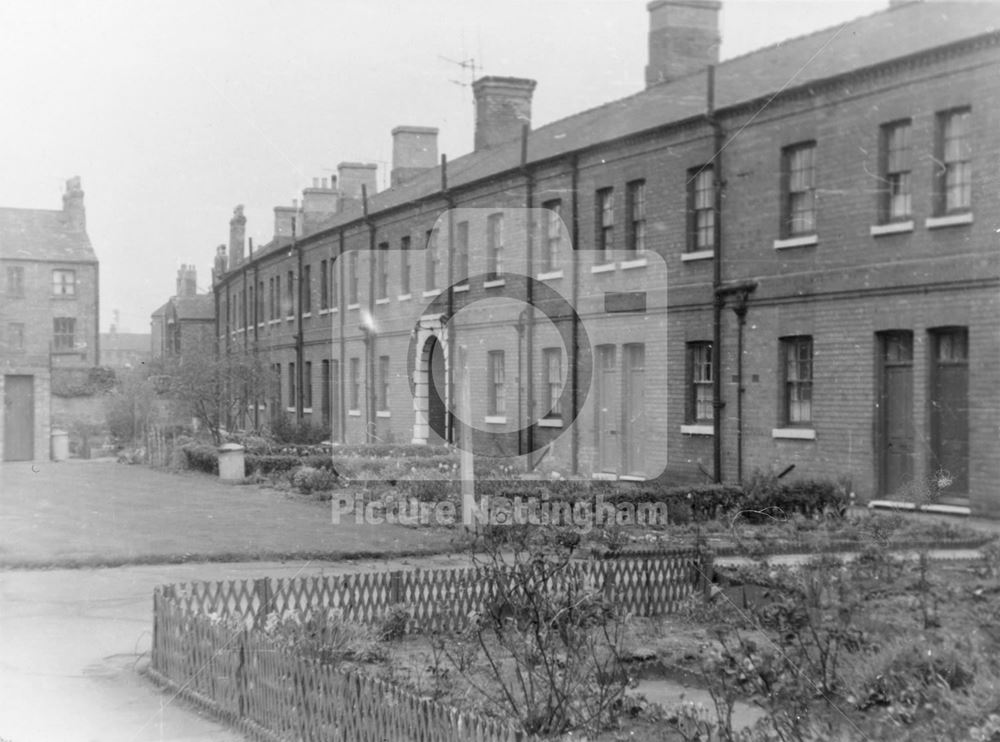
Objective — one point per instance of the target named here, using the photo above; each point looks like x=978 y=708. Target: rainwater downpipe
x=342 y=366
x=529 y=337
x=299 y=346
x=574 y=429
x=450 y=329
x=718 y=301
x=368 y=329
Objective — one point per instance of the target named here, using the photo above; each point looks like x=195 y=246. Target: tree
x=131 y=406
x=215 y=388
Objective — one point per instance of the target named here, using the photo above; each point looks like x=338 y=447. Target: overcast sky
x=174 y=112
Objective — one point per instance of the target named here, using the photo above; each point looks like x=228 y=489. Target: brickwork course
x=848 y=175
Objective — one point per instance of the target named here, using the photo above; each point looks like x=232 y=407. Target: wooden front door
x=608 y=418
x=895 y=420
x=634 y=418
x=949 y=410
x=19 y=418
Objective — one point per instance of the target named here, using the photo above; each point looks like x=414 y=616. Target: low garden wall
x=270 y=693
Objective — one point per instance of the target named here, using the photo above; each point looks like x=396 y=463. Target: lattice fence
x=440 y=599
x=273 y=694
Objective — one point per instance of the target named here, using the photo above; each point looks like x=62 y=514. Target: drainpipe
x=450 y=330
x=368 y=331
x=718 y=404
x=299 y=347
x=574 y=164
x=529 y=337
x=741 y=313
x=256 y=340
x=742 y=293
x=342 y=306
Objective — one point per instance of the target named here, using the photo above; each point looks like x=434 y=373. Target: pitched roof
x=871 y=40
x=40 y=234
x=200 y=307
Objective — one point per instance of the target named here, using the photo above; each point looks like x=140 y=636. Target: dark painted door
x=608 y=411
x=949 y=408
x=19 y=418
x=896 y=411
x=436 y=389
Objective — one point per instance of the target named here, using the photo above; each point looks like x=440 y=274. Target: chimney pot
x=503 y=107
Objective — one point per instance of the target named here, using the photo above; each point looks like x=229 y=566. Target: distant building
x=120 y=350
x=48 y=315
x=185 y=320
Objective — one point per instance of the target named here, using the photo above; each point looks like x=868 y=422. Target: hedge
x=202 y=457
x=699 y=503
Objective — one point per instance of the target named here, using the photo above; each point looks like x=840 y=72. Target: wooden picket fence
x=206 y=646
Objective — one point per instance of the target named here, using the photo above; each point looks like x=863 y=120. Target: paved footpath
x=72 y=644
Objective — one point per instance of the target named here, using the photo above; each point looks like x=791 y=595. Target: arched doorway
x=430 y=392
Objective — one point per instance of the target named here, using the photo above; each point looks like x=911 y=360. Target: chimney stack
x=414 y=150
x=237 y=236
x=684 y=38
x=219 y=270
x=319 y=203
x=73 y=209
x=353 y=175
x=187 y=280
x=284 y=216
x=503 y=107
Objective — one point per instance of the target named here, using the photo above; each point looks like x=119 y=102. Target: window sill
x=697 y=255
x=698 y=429
x=796 y=434
x=274 y=322
x=495 y=283
x=290 y=318
x=877 y=230
x=404 y=297
x=629 y=264
x=461 y=288
x=382 y=301
x=260 y=324
x=605 y=268
x=307 y=315
x=496 y=420
x=353 y=306
x=550 y=422
x=806 y=241
x=550 y=275
x=951 y=220
x=61 y=296
x=354 y=413
x=383 y=413
x=289 y=409
x=307 y=410
x=431 y=293
x=631 y=478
